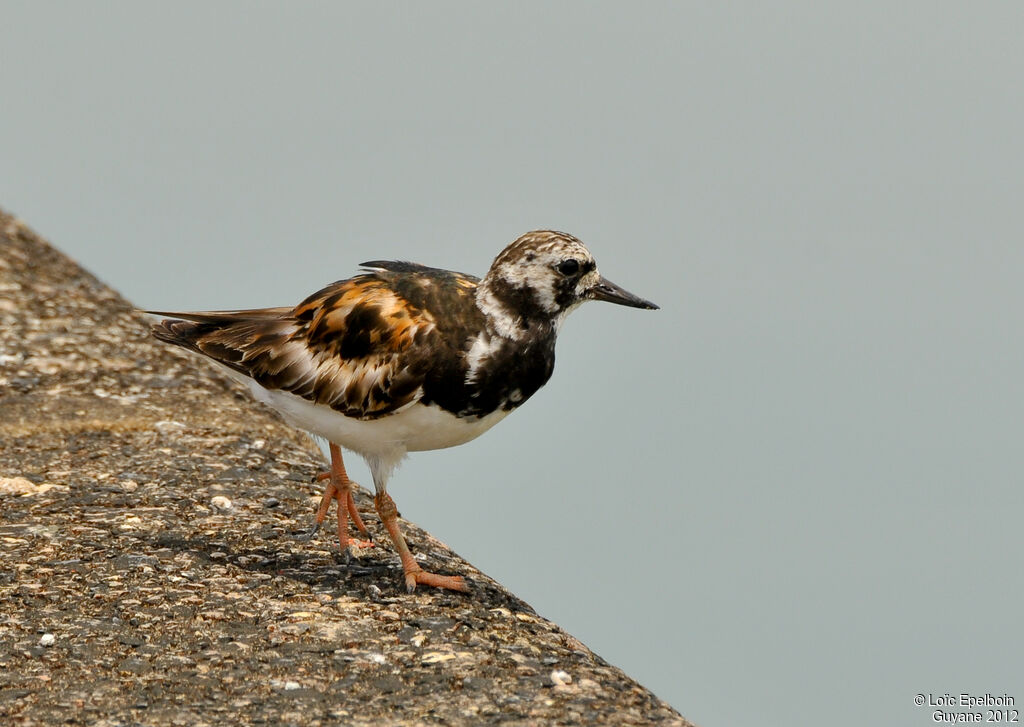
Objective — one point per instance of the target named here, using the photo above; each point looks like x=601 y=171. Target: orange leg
x=414 y=574
x=339 y=488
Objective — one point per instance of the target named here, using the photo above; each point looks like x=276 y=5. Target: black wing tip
x=404 y=266
x=394 y=266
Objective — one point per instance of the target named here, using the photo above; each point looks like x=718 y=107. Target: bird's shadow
x=370 y=581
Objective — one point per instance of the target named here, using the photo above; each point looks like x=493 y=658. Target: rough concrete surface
x=149 y=574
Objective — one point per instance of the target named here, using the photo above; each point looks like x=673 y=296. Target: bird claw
x=307 y=535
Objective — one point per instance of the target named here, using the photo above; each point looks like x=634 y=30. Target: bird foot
x=422 y=577
x=346 y=543
x=344 y=498
x=339 y=489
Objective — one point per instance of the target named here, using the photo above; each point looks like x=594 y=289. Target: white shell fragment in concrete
x=560 y=678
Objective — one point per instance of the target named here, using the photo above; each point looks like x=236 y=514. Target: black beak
x=609 y=291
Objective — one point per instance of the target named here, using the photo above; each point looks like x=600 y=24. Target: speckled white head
x=541 y=278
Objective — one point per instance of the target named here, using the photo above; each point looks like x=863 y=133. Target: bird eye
x=569 y=267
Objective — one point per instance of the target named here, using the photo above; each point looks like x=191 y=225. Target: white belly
x=414 y=429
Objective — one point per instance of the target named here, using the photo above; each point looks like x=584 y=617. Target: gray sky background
x=793 y=494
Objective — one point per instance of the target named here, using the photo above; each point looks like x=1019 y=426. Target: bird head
x=542 y=277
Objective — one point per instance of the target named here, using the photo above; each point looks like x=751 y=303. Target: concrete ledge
x=148 y=573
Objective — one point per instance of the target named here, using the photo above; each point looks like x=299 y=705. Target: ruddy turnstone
x=404 y=358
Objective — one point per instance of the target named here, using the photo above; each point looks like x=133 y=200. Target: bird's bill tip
x=608 y=291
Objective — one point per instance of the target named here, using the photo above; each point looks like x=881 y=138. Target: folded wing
x=357 y=346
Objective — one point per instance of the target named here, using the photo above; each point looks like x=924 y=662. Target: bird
x=402 y=358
